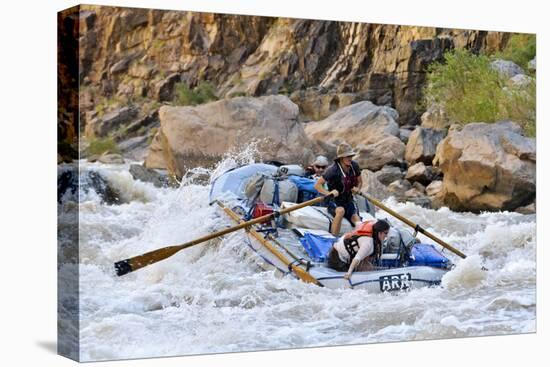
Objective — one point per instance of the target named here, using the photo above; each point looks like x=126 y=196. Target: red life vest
x=350 y=239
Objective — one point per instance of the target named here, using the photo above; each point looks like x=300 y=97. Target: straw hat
x=344 y=150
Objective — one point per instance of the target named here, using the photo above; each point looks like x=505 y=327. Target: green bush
x=100 y=146
x=521 y=48
x=469 y=90
x=202 y=93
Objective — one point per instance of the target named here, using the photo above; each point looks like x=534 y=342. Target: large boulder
x=199 y=136
x=422 y=144
x=360 y=123
x=487 y=167
x=387 y=151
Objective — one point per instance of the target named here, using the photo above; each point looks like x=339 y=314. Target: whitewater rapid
x=214 y=297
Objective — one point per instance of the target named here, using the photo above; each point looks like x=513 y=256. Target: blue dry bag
x=317 y=246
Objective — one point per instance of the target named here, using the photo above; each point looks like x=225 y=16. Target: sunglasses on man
x=319 y=167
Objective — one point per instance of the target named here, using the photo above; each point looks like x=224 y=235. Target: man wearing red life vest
x=352 y=250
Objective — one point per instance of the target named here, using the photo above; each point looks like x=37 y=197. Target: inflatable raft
x=297 y=242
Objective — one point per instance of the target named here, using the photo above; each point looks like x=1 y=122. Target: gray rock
x=422 y=145
x=521 y=80
x=419 y=172
x=398 y=189
x=405 y=133
x=156 y=177
x=373 y=186
x=506 y=68
x=419 y=187
x=389 y=174
x=532 y=65
x=135 y=148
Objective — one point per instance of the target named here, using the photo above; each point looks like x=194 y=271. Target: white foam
x=214 y=298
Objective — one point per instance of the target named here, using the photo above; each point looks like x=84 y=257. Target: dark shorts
x=334 y=261
x=349 y=207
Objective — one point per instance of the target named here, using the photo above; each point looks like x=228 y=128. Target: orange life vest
x=350 y=239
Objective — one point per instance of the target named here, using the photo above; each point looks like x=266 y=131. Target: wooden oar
x=413 y=225
x=300 y=273
x=134 y=263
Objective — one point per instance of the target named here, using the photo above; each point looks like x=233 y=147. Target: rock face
x=131 y=53
x=422 y=144
x=100 y=127
x=487 y=167
x=201 y=135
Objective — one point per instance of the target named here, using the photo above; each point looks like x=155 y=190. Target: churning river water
x=214 y=298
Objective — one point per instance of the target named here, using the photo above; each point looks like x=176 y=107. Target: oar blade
x=132 y=264
x=123 y=267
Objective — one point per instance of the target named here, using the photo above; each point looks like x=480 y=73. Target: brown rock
x=487 y=167
x=388 y=150
x=434 y=188
x=360 y=123
x=419 y=172
x=527 y=209
x=201 y=135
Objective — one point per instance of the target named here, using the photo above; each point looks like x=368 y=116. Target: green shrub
x=202 y=93
x=469 y=90
x=521 y=48
x=100 y=146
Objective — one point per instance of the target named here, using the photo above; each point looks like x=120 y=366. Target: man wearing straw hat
x=343 y=179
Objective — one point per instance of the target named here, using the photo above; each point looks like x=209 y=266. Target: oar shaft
x=413 y=225
x=126 y=266
x=300 y=273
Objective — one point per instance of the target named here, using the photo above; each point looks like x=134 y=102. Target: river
x=214 y=298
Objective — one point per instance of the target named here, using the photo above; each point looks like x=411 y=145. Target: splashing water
x=214 y=298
